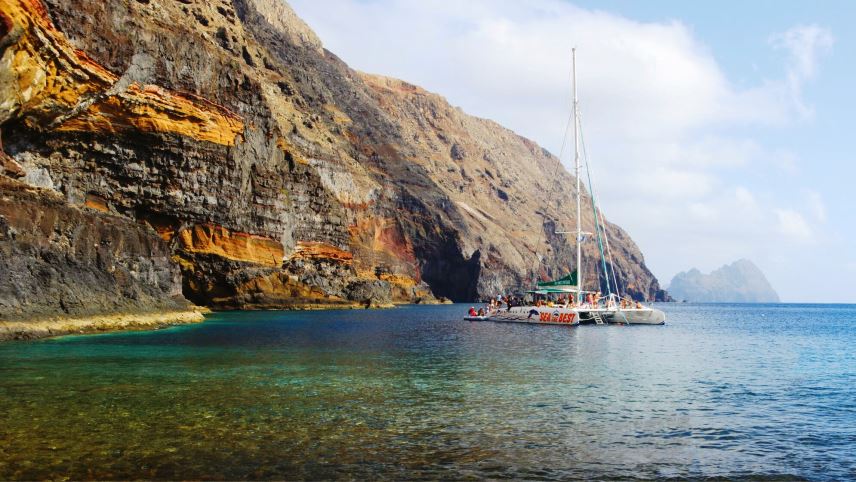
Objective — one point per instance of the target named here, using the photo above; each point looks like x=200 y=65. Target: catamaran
x=573 y=305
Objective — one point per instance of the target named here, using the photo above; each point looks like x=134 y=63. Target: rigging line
x=603 y=221
x=598 y=218
x=597 y=226
x=609 y=255
x=611 y=262
x=552 y=189
x=600 y=221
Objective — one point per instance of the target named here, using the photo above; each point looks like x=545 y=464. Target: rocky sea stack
x=158 y=153
x=738 y=282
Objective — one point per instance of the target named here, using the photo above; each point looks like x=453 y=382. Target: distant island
x=739 y=282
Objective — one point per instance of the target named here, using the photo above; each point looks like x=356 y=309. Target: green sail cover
x=569 y=280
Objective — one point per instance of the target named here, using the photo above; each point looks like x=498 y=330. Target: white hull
x=536 y=315
x=627 y=316
x=638 y=316
x=543 y=315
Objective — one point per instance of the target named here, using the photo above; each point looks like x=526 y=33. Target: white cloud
x=793 y=224
x=815 y=204
x=669 y=134
x=804 y=44
x=746 y=202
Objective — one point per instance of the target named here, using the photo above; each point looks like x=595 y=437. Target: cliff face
x=738 y=282
x=275 y=175
x=503 y=193
x=78 y=261
x=59 y=259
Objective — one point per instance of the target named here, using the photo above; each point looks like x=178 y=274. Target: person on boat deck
x=638 y=305
x=481 y=312
x=472 y=311
x=597 y=299
x=623 y=303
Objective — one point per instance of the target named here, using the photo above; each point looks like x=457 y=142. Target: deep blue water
x=733 y=391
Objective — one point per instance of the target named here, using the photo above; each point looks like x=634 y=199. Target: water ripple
x=722 y=391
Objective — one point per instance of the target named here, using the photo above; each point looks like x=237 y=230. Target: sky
x=715 y=130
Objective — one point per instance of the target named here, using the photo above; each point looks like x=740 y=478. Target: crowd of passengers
x=592 y=300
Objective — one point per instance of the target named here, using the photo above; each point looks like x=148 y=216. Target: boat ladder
x=597 y=318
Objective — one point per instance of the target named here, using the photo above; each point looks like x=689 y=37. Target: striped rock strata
x=273 y=174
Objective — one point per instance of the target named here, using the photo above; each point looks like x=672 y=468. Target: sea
x=730 y=391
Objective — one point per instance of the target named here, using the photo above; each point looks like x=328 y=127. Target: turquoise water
x=735 y=391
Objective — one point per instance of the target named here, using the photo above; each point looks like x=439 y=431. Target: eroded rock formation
x=275 y=175
x=738 y=282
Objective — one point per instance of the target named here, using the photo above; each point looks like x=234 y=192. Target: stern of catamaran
x=639 y=316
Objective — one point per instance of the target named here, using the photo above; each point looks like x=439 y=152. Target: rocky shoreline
x=32 y=329
x=59 y=325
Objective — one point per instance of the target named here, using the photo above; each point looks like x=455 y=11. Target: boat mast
x=577 y=174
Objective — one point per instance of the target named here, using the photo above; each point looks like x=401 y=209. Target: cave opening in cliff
x=452 y=276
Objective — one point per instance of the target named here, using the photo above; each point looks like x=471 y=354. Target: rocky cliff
x=57 y=259
x=738 y=282
x=273 y=174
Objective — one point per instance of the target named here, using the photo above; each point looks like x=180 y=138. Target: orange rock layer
x=380 y=242
x=51 y=82
x=96 y=202
x=277 y=290
x=237 y=246
x=315 y=250
x=398 y=280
